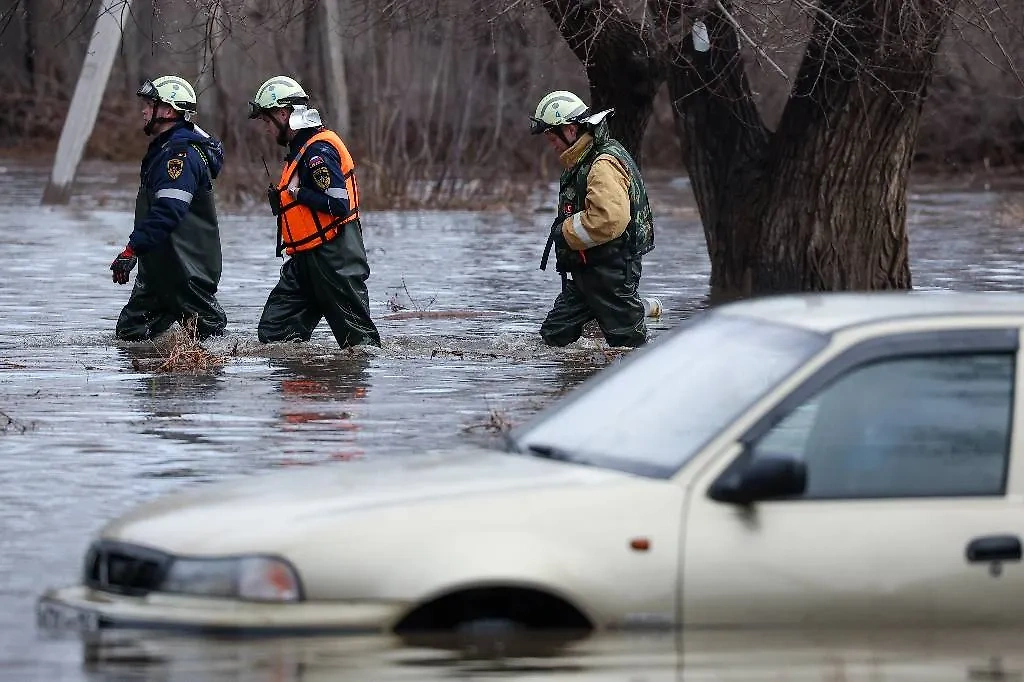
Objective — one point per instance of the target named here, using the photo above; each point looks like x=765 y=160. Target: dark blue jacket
x=173 y=172
x=329 y=198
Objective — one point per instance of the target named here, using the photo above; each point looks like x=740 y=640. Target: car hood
x=255 y=512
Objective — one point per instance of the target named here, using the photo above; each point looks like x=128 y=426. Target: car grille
x=123 y=568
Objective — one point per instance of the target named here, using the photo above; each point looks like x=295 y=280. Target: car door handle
x=994 y=548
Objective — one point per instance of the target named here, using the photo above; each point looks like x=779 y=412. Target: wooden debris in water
x=497 y=422
x=9 y=424
x=439 y=314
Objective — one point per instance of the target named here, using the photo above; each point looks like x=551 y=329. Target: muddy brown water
x=458 y=297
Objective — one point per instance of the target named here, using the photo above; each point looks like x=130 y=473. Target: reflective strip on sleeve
x=580 y=231
x=337 y=193
x=179 y=194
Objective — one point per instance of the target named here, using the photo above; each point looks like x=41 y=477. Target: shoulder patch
x=174 y=167
x=322 y=177
x=315 y=161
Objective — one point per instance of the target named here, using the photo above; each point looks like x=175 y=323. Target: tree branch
x=581 y=22
x=739 y=29
x=668 y=12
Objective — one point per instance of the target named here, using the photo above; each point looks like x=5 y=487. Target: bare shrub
x=186 y=354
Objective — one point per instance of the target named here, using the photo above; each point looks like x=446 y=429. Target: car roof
x=829 y=312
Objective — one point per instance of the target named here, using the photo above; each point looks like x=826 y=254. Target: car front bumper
x=82 y=609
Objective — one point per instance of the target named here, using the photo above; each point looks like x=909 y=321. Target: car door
x=906 y=516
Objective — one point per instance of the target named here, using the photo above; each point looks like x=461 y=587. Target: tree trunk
x=207 y=92
x=30 y=44
x=85 y=101
x=825 y=207
x=334 y=65
x=623 y=64
x=724 y=143
x=841 y=158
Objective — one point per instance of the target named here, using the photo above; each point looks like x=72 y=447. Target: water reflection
x=325 y=397
x=876 y=656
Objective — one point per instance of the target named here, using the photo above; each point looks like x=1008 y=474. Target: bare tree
x=779 y=123
x=818 y=202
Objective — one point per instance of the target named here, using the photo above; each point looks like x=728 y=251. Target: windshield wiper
x=554 y=452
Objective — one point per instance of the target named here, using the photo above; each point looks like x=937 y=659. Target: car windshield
x=652 y=413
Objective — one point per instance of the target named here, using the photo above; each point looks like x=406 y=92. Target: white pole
x=334 y=66
x=85 y=102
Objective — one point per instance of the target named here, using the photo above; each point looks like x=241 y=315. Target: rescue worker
x=176 y=238
x=603 y=226
x=316 y=202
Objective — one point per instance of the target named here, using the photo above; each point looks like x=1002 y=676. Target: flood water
x=91 y=429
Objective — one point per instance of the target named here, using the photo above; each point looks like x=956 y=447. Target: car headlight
x=256 y=578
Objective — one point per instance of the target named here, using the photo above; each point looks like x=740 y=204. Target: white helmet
x=172 y=90
x=556 y=109
x=276 y=92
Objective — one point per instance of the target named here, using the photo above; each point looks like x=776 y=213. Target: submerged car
x=809 y=460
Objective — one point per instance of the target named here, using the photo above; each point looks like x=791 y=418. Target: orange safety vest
x=300 y=228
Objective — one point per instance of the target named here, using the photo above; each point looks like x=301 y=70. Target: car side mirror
x=753 y=479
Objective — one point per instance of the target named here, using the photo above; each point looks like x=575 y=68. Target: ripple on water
x=104 y=432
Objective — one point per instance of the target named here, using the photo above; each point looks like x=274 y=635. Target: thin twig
x=416 y=305
x=815 y=9
x=9 y=423
x=753 y=44
x=1002 y=49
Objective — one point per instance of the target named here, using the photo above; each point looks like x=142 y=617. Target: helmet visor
x=538 y=126
x=148 y=90
x=255 y=110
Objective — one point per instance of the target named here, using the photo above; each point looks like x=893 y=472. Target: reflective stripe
x=337 y=193
x=580 y=231
x=179 y=194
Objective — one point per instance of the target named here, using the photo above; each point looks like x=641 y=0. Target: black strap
x=280 y=223
x=555 y=227
x=321 y=232
x=547 y=250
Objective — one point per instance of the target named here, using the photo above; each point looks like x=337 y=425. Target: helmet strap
x=151 y=123
x=155 y=120
x=560 y=132
x=282 y=131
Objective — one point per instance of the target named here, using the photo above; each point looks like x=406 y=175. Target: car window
x=906 y=427
x=649 y=415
